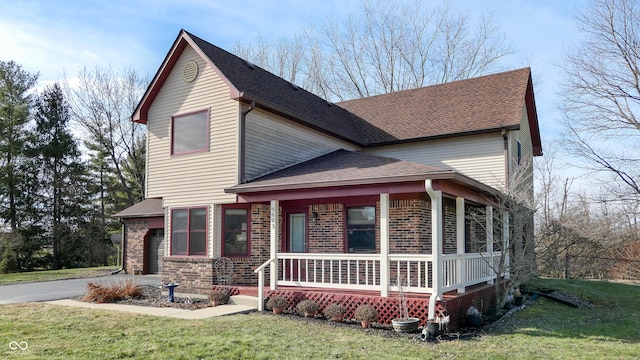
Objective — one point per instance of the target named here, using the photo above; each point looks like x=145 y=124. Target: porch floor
x=453 y=303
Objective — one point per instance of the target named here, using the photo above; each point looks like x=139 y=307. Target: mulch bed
x=153 y=296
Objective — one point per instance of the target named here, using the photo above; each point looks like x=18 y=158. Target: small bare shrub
x=334 y=311
x=218 y=297
x=307 y=307
x=111 y=293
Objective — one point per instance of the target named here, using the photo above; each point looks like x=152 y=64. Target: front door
x=297 y=233
x=296 y=243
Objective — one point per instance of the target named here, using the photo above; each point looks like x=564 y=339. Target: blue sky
x=60 y=37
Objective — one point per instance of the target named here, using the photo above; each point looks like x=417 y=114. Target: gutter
x=243 y=140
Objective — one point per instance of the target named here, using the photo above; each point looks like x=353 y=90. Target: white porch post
x=489 y=226
x=460 y=236
x=384 y=245
x=505 y=244
x=436 y=245
x=275 y=238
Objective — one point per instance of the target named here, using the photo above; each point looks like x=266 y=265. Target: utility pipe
x=122 y=244
x=243 y=125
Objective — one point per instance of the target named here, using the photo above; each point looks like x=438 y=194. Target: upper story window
x=189 y=231
x=518 y=153
x=361 y=229
x=190 y=133
x=235 y=232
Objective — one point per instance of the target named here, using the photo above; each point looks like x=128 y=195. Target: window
x=235 y=232
x=190 y=133
x=518 y=152
x=361 y=229
x=189 y=231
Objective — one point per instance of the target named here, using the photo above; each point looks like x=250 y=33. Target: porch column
x=489 y=225
x=505 y=244
x=384 y=245
x=436 y=240
x=274 y=240
x=461 y=249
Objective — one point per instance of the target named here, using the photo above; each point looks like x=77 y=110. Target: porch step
x=245 y=300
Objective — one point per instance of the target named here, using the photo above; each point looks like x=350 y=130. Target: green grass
x=36 y=276
x=546 y=330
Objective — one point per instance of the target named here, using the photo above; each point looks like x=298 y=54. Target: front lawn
x=36 y=276
x=545 y=330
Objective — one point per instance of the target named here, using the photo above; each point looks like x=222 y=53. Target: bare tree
x=102 y=102
x=601 y=94
x=384 y=48
x=512 y=252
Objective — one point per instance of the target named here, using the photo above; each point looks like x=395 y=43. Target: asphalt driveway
x=65 y=289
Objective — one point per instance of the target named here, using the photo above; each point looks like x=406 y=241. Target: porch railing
x=363 y=271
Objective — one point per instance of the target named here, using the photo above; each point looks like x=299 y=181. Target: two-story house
x=363 y=195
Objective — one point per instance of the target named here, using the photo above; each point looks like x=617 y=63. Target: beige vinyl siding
x=524 y=137
x=274 y=143
x=198 y=178
x=480 y=157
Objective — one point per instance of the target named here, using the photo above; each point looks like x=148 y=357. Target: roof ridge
x=449 y=83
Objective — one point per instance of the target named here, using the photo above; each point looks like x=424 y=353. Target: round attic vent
x=190 y=71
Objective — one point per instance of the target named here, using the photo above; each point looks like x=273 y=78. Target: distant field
x=36 y=276
x=544 y=330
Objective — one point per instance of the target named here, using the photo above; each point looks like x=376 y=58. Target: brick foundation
x=195 y=275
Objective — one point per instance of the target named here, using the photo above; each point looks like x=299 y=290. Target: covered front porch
x=376 y=225
x=448 y=267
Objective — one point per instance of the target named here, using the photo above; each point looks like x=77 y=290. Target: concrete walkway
x=205 y=313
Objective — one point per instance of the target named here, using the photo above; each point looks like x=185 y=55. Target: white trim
x=460 y=237
x=384 y=245
x=489 y=232
x=275 y=237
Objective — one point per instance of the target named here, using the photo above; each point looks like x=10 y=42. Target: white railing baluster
x=297 y=266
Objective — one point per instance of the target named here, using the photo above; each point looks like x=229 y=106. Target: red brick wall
x=135 y=231
x=326 y=235
x=449 y=230
x=194 y=274
x=410 y=227
x=260 y=248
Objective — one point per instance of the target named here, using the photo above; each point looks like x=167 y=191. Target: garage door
x=155 y=251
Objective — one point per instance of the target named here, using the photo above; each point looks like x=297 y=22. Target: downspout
x=506 y=156
x=436 y=294
x=243 y=121
x=122 y=245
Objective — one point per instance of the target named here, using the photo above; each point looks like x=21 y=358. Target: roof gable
x=482 y=104
x=182 y=41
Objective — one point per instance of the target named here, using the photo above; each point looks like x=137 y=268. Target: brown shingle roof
x=468 y=106
x=145 y=208
x=342 y=167
x=275 y=93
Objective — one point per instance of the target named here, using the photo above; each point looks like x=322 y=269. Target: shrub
x=366 y=312
x=277 y=302
x=112 y=293
x=219 y=297
x=334 y=311
x=307 y=307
